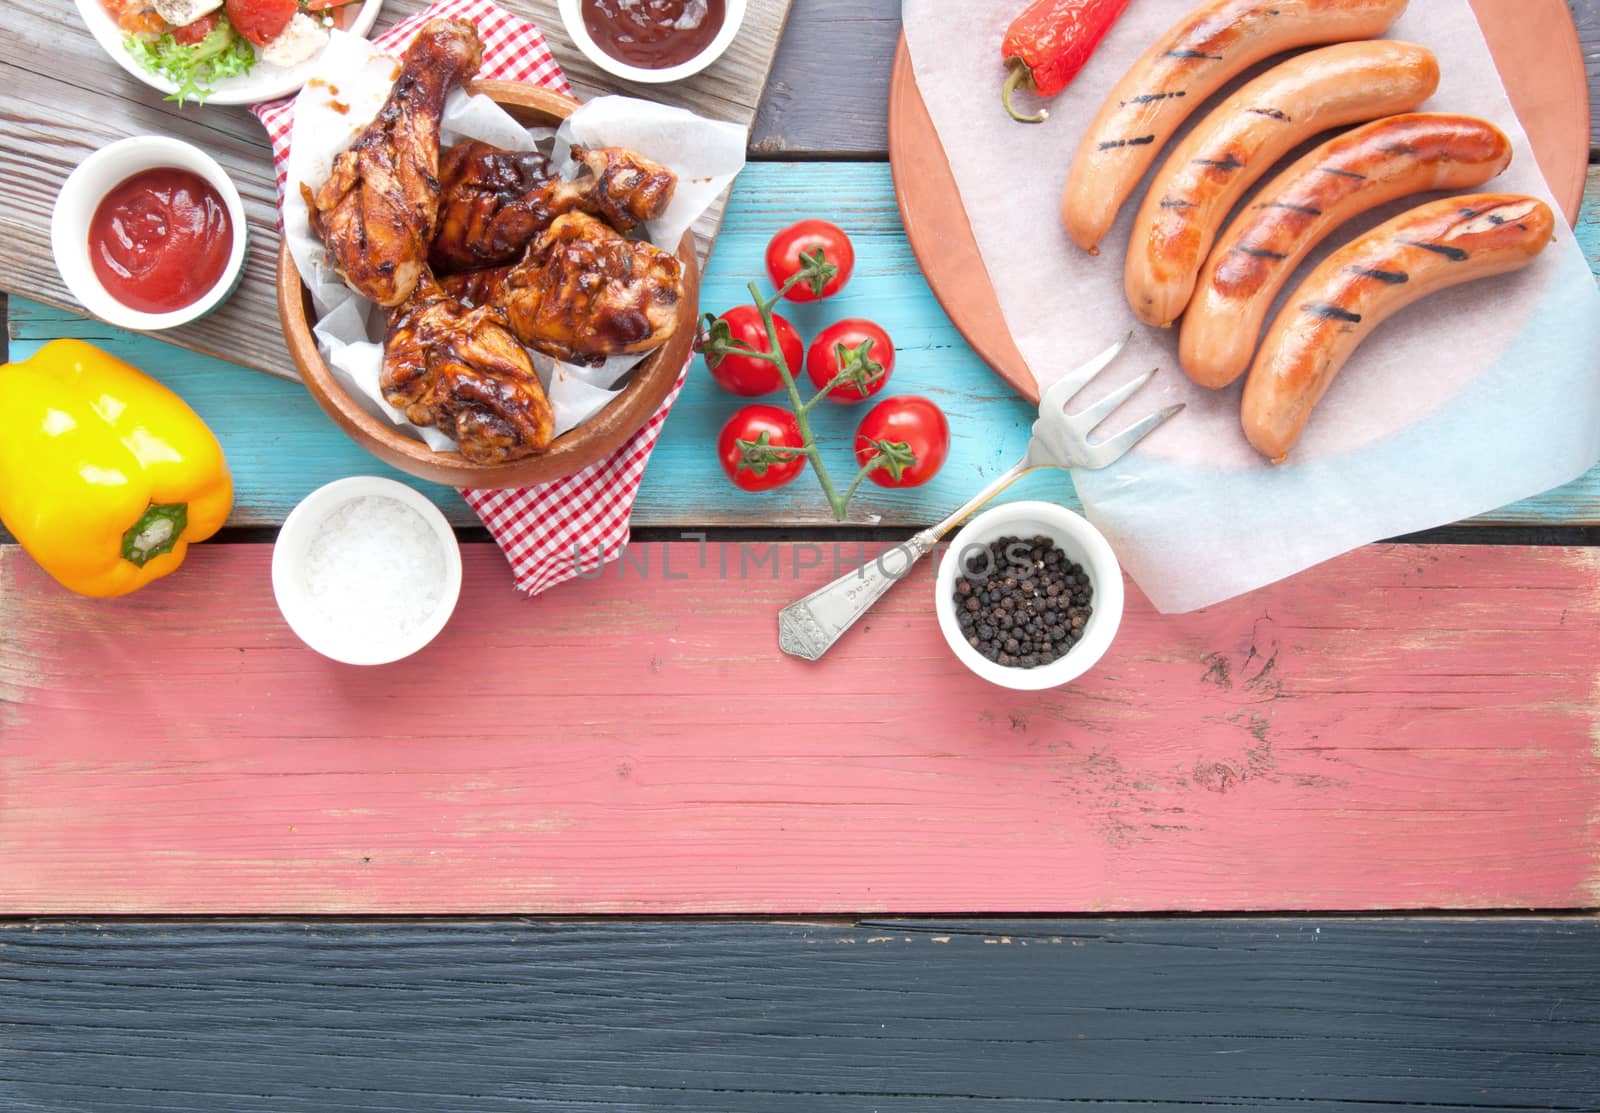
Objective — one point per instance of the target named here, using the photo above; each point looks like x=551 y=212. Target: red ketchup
x=653 y=34
x=160 y=240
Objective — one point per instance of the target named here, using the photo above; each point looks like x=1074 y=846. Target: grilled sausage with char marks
x=1238 y=143
x=1346 y=176
x=1357 y=288
x=1198 y=55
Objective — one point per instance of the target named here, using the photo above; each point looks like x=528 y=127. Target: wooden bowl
x=571 y=452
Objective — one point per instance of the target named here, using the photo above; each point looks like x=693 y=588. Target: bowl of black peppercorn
x=1029 y=595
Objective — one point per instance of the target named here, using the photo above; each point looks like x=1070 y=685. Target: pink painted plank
x=1404 y=727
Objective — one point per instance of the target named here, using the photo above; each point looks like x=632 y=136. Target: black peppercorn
x=1023 y=604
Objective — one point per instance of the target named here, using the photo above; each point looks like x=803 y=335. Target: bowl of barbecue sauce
x=652 y=41
x=148 y=233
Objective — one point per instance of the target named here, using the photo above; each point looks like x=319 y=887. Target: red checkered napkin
x=565 y=529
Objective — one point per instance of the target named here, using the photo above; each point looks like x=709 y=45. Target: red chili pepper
x=1049 y=43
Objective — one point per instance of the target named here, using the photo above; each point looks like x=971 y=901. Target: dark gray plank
x=1316 y=1016
x=828 y=93
x=1587 y=15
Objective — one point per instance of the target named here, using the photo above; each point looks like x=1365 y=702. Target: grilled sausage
x=1234 y=146
x=1344 y=177
x=1357 y=288
x=1198 y=55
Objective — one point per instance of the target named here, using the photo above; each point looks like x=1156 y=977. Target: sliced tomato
x=136 y=17
x=195 y=32
x=260 y=21
x=344 y=12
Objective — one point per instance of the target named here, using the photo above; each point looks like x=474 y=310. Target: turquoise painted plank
x=281 y=445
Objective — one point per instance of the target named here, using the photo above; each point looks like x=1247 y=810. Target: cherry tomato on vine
x=863 y=343
x=910 y=433
x=785 y=251
x=746 y=375
x=747 y=447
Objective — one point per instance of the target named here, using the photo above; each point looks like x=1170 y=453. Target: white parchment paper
x=1472 y=399
x=352 y=81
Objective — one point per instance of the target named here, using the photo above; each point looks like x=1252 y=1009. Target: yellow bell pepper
x=106 y=476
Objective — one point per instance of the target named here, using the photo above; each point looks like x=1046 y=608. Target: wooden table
x=1385 y=772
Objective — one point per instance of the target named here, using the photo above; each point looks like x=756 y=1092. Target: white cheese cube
x=181 y=12
x=300 y=41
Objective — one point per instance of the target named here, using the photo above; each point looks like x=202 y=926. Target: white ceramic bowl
x=354 y=644
x=572 y=17
x=1082 y=543
x=81 y=195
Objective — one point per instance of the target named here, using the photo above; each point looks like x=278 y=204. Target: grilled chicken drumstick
x=377 y=210
x=496 y=202
x=461 y=370
x=583 y=292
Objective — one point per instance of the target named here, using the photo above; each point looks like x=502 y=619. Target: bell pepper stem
x=1020 y=77
x=156 y=532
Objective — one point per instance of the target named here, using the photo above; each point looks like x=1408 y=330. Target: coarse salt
x=375 y=565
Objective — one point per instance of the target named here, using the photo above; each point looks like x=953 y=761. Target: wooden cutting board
x=1535 y=45
x=65 y=98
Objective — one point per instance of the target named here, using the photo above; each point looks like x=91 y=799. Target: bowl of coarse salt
x=366 y=571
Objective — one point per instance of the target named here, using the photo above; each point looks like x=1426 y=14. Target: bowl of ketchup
x=148 y=233
x=652 y=41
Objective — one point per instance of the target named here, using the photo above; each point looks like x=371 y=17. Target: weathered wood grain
x=827 y=93
x=684 y=486
x=1323 y=1016
x=64 y=98
x=1586 y=13
x=1404 y=727
x=730 y=89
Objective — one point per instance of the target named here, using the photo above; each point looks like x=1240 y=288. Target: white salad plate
x=264 y=81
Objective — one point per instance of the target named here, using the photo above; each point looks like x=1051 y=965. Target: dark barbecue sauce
x=653 y=34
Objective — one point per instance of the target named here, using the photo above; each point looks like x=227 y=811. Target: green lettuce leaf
x=220 y=55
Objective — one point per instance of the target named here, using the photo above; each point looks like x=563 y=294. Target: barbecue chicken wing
x=377 y=210
x=583 y=292
x=489 y=212
x=621 y=187
x=495 y=201
x=460 y=369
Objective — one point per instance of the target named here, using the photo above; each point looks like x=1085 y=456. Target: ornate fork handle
x=809 y=627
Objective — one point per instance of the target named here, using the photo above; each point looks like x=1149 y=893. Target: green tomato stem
x=838 y=505
x=838 y=380
x=867 y=469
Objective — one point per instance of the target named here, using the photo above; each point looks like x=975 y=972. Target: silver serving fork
x=809 y=627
